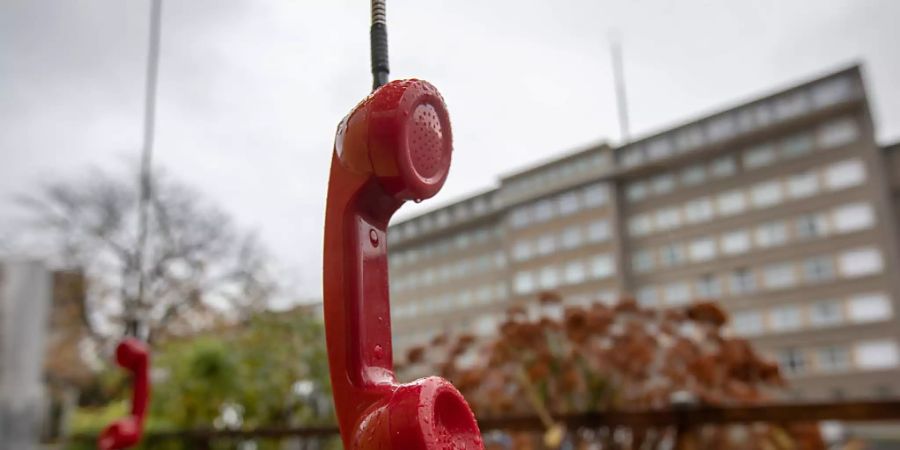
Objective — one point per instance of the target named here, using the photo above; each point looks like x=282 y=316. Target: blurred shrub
x=242 y=376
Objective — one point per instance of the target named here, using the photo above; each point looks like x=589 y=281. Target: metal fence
x=678 y=423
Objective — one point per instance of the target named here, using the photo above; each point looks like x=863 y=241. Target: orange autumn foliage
x=614 y=357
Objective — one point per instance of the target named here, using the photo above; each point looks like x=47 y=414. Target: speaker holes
x=426 y=141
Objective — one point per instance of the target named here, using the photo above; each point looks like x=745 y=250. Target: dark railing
x=681 y=419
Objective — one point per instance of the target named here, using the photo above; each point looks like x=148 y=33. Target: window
x=546 y=244
x=462 y=240
x=845 y=174
x=636 y=191
x=411 y=229
x=602 y=266
x=721 y=127
x=642 y=261
x=575 y=272
x=833 y=359
x=759 y=156
x=480 y=206
x=785 y=318
x=802 y=185
x=595 y=195
x=825 y=313
x=640 y=225
x=779 y=275
x=568 y=203
x=742 y=281
x=677 y=293
x=765 y=194
x=549 y=277
x=723 y=167
x=748 y=323
x=791 y=105
x=662 y=184
x=837 y=133
x=500 y=291
x=708 y=286
x=736 y=242
x=499 y=260
x=796 y=146
x=698 y=210
x=880 y=354
x=443 y=218
x=688 y=138
x=745 y=120
x=598 y=231
x=520 y=217
x=571 y=237
x=461 y=212
x=860 y=262
x=763 y=113
x=810 y=226
x=792 y=361
x=671 y=255
x=631 y=156
x=771 y=234
x=703 y=249
x=818 y=269
x=647 y=296
x=693 y=175
x=659 y=148
x=667 y=218
x=869 y=308
x=465 y=299
x=428 y=277
x=523 y=283
x=425 y=223
x=853 y=217
x=731 y=202
x=543 y=211
x=831 y=92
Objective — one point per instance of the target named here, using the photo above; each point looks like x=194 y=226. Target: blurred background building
x=783 y=208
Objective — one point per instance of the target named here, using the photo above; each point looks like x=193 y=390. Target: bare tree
x=195 y=258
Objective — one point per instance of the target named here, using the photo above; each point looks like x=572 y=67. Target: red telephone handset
x=393 y=147
x=132 y=355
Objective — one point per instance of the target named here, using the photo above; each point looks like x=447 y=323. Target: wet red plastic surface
x=395 y=146
x=132 y=355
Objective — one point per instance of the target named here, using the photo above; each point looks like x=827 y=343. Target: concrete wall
x=25 y=294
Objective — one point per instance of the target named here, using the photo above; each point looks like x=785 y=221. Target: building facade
x=784 y=209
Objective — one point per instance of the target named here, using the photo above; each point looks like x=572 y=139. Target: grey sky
x=250 y=91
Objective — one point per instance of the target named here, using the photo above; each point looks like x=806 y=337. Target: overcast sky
x=250 y=91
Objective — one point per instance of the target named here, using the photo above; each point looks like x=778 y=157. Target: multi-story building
x=781 y=208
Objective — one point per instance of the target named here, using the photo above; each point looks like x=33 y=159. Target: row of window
x=461 y=212
x=447 y=272
x=842 y=219
x=440 y=247
x=597 y=267
x=876 y=354
x=765 y=194
x=567 y=239
x=860 y=308
x=854 y=263
x=450 y=301
x=743 y=120
x=564 y=204
x=830 y=135
x=591 y=163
